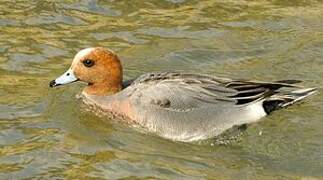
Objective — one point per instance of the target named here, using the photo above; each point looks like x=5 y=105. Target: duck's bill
x=66 y=78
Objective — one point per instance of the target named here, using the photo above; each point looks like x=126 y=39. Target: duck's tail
x=284 y=99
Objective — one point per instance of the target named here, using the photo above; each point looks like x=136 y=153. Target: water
x=47 y=133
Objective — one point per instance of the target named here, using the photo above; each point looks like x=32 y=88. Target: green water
x=47 y=133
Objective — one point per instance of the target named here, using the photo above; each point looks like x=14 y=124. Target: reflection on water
x=47 y=134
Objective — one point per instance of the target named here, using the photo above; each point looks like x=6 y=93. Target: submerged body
x=175 y=105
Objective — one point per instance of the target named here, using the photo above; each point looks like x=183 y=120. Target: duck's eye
x=88 y=62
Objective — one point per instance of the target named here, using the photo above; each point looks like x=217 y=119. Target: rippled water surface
x=46 y=133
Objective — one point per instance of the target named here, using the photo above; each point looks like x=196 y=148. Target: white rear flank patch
x=256 y=111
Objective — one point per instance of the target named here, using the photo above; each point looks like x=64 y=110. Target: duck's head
x=98 y=67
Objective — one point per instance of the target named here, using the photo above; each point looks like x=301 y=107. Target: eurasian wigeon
x=175 y=105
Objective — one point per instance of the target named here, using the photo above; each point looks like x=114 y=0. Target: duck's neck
x=102 y=89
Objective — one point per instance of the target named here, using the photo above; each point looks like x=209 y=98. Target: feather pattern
x=188 y=107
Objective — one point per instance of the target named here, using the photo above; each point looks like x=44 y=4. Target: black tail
x=281 y=100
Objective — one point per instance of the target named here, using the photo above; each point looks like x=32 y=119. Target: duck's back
x=187 y=107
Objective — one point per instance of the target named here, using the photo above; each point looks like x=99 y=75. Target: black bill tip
x=53 y=84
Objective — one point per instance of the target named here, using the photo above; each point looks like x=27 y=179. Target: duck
x=177 y=105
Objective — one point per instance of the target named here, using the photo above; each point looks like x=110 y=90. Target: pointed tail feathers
x=281 y=100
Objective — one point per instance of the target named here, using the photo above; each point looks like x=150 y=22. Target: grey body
x=189 y=107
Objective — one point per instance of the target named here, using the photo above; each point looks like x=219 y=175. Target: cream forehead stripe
x=82 y=53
